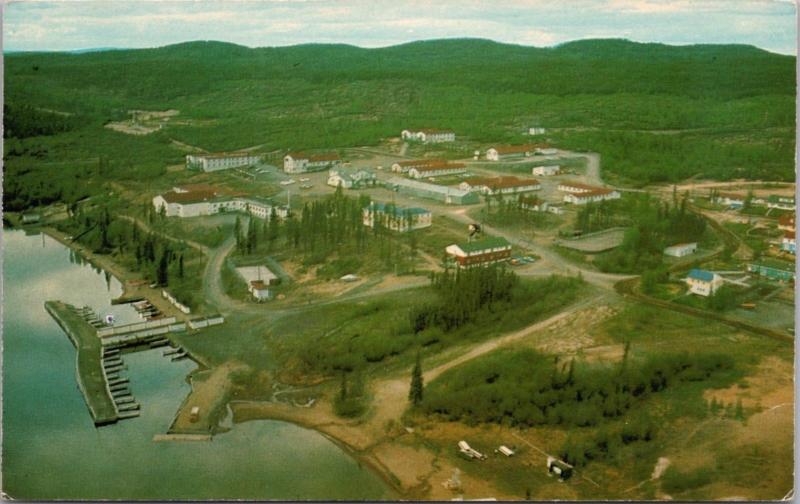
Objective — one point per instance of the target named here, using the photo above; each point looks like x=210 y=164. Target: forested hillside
x=655 y=112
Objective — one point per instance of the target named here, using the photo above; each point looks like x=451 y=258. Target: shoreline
x=122 y=275
x=360 y=455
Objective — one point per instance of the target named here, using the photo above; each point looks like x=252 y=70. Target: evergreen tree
x=416 y=390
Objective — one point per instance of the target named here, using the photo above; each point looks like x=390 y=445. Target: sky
x=80 y=24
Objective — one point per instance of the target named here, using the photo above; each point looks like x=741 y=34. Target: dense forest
x=654 y=226
x=655 y=112
x=526 y=388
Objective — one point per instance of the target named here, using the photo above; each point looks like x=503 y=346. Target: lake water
x=51 y=449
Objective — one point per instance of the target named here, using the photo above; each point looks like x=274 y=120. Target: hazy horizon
x=87 y=25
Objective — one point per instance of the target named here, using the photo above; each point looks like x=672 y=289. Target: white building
x=221 y=160
x=260 y=290
x=299 y=162
x=681 y=249
x=353 y=178
x=499 y=185
x=536 y=131
x=781 y=202
x=203 y=200
x=429 y=135
x=397 y=218
x=501 y=152
x=593 y=196
x=546 y=171
x=730 y=200
x=428 y=171
x=703 y=283
x=404 y=166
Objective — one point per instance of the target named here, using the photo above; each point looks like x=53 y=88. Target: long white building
x=221 y=160
x=429 y=135
x=202 y=201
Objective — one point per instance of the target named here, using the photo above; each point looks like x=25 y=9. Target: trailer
x=505 y=450
x=469 y=452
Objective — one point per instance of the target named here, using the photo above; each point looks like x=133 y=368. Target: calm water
x=51 y=448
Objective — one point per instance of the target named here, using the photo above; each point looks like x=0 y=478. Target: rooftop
x=327 y=156
x=397 y=210
x=437 y=167
x=485 y=243
x=426 y=186
x=702 y=275
x=768 y=262
x=500 y=182
x=422 y=162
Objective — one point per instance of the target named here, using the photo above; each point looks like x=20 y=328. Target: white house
x=300 y=162
x=260 y=290
x=437 y=170
x=703 y=283
x=592 y=196
x=397 y=218
x=536 y=131
x=546 y=171
x=499 y=185
x=429 y=135
x=681 y=249
x=353 y=178
x=221 y=160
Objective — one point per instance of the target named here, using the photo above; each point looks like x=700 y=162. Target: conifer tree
x=417 y=385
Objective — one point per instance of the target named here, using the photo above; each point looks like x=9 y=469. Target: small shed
x=559 y=468
x=505 y=450
x=260 y=290
x=194 y=414
x=349 y=278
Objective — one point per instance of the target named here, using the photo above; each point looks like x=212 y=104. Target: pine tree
x=417 y=385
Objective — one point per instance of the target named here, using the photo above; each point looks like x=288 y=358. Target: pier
x=89 y=367
x=100 y=347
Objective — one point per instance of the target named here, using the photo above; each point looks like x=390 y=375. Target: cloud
x=123 y=23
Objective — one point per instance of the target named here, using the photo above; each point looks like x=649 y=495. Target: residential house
x=429 y=135
x=397 y=218
x=428 y=171
x=499 y=185
x=221 y=160
x=546 y=171
x=479 y=253
x=351 y=178
x=300 y=162
x=703 y=283
x=773 y=269
x=681 y=249
x=444 y=194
